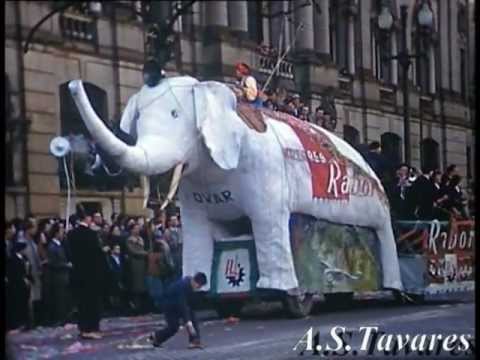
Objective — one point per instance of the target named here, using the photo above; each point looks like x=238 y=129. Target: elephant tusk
x=146 y=190
x=177 y=175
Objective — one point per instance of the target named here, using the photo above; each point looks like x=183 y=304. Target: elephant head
x=167 y=122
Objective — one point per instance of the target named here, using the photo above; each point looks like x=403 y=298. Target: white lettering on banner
x=434 y=233
x=453 y=240
x=302 y=155
x=339 y=184
x=335 y=174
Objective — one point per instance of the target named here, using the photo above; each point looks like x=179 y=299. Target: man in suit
x=89 y=271
x=20 y=281
x=31 y=252
x=178 y=305
x=423 y=195
x=376 y=160
x=117 y=294
x=59 y=271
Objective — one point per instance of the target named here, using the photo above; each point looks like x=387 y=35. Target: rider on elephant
x=246 y=89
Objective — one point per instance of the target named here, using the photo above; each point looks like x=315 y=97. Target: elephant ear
x=218 y=122
x=128 y=122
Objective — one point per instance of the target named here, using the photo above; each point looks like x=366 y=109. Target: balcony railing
x=78 y=27
x=267 y=65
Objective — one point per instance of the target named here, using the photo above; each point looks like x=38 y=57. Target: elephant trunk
x=133 y=158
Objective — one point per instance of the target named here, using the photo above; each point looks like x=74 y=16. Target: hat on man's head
x=242 y=68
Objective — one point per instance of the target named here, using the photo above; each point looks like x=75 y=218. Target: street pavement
x=263 y=332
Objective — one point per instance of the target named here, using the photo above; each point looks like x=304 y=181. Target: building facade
x=336 y=51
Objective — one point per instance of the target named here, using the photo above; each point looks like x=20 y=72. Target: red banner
x=329 y=171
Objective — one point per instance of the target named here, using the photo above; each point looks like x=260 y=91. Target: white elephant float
x=231 y=171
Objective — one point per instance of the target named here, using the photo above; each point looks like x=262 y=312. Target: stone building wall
x=218 y=38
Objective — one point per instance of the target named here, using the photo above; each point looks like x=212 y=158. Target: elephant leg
x=389 y=257
x=274 y=254
x=197 y=251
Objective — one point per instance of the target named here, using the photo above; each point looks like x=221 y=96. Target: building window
x=339 y=34
x=430 y=154
x=82 y=159
x=351 y=135
x=383 y=50
x=463 y=77
x=382 y=43
x=71 y=121
x=469 y=162
x=422 y=64
x=255 y=21
x=277 y=25
x=78 y=24
x=392 y=148
x=423 y=42
x=9 y=138
x=462 y=20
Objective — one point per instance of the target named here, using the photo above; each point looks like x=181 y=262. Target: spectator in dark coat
x=173 y=236
x=456 y=202
x=439 y=198
x=89 y=272
x=178 y=305
x=451 y=170
x=423 y=195
x=376 y=160
x=137 y=267
x=20 y=280
x=59 y=274
x=117 y=288
x=31 y=252
x=10 y=232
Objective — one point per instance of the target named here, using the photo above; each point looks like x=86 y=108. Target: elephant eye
x=174 y=113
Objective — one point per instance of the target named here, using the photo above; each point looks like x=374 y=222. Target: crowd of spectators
x=412 y=194
x=140 y=256
x=420 y=195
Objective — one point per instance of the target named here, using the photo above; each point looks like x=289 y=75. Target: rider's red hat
x=242 y=68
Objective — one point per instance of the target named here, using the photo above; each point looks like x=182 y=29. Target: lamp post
x=385 y=23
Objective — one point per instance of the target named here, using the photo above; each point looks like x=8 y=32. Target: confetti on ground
x=134 y=346
x=232 y=320
x=28 y=347
x=77 y=347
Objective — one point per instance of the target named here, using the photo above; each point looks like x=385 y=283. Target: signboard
x=448 y=249
x=234 y=268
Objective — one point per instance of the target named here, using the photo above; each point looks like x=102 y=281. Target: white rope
x=65 y=167
x=280 y=59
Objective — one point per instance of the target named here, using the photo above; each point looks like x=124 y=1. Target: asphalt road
x=259 y=335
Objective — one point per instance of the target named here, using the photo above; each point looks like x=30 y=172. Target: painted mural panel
x=334 y=258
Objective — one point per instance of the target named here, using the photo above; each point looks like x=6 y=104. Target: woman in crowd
x=160 y=269
x=137 y=265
